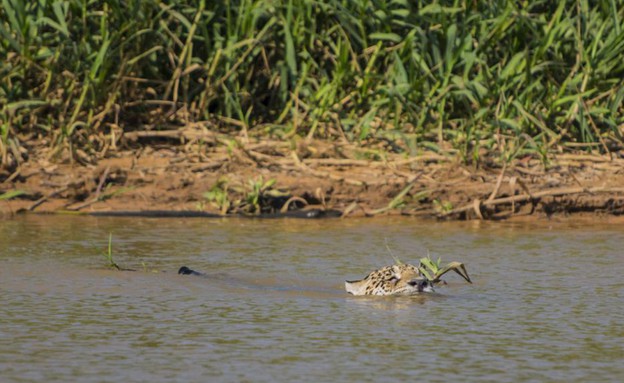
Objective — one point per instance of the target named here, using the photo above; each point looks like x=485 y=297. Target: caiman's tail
x=186 y=271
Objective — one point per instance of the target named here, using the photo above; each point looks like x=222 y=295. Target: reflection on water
x=546 y=304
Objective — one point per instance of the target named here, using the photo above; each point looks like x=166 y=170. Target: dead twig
x=321 y=174
x=98 y=190
x=476 y=206
x=13 y=176
x=62 y=189
x=212 y=165
x=498 y=183
x=292 y=199
x=188 y=134
x=47 y=197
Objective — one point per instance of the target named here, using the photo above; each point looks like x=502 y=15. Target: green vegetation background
x=505 y=76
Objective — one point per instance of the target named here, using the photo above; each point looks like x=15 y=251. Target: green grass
x=433 y=270
x=11 y=194
x=109 y=254
x=511 y=78
x=254 y=197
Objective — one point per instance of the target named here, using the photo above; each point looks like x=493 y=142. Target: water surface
x=546 y=305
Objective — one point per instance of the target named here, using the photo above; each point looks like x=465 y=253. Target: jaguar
x=400 y=279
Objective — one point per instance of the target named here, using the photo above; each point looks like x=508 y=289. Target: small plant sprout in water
x=396 y=259
x=109 y=254
x=433 y=271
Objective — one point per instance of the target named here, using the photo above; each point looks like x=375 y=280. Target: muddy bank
x=186 y=170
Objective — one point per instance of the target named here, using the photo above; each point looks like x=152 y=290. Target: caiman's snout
x=423 y=285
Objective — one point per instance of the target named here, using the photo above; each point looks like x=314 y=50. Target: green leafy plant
x=442 y=206
x=254 y=197
x=259 y=194
x=433 y=270
x=256 y=192
x=218 y=195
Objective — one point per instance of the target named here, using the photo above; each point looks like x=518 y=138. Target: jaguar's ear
x=355 y=287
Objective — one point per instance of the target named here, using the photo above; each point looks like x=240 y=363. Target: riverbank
x=462 y=112
x=194 y=169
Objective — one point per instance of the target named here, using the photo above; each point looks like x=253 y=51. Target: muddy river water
x=547 y=303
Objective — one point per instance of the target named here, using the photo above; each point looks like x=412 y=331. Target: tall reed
x=504 y=76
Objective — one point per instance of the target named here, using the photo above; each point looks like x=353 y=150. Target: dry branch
x=47 y=197
x=498 y=183
x=526 y=197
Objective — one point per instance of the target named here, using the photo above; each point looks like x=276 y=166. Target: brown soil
x=172 y=170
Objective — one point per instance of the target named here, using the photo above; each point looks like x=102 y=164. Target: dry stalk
x=526 y=197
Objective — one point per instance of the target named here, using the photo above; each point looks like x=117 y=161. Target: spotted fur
x=402 y=279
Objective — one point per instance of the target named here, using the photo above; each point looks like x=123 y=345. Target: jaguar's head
x=402 y=279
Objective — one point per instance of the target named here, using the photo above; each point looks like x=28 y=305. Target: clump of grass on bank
x=253 y=198
x=506 y=77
